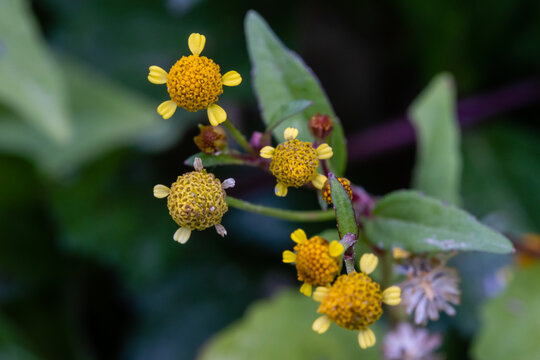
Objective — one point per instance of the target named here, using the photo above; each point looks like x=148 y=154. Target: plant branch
x=348 y=242
x=238 y=136
x=291 y=215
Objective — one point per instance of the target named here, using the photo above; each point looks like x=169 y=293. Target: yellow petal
x=392 y=295
x=366 y=338
x=157 y=75
x=306 y=289
x=318 y=181
x=196 y=43
x=231 y=78
x=321 y=324
x=299 y=236
x=281 y=190
x=166 y=109
x=324 y=151
x=267 y=152
x=216 y=114
x=288 y=256
x=290 y=133
x=399 y=253
x=368 y=263
x=161 y=191
x=320 y=293
x=182 y=235
x=335 y=248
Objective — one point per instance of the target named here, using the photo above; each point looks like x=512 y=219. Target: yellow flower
x=295 y=163
x=317 y=261
x=354 y=302
x=196 y=201
x=194 y=83
x=327 y=194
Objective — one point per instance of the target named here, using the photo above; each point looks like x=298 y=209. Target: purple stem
x=399 y=132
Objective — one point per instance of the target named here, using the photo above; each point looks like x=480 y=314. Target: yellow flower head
x=295 y=163
x=194 y=83
x=354 y=302
x=317 y=261
x=327 y=194
x=196 y=201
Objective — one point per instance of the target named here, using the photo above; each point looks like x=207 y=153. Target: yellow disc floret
x=353 y=302
x=197 y=200
x=327 y=194
x=317 y=261
x=294 y=163
x=194 y=82
x=314 y=263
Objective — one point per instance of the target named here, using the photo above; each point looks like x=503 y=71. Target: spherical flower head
x=295 y=163
x=194 y=83
x=196 y=201
x=317 y=261
x=320 y=126
x=354 y=302
x=211 y=139
x=327 y=194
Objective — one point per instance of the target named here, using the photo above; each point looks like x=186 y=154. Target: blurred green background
x=88 y=267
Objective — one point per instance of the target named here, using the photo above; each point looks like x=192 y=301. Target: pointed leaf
x=280 y=77
x=213 y=160
x=438 y=160
x=346 y=220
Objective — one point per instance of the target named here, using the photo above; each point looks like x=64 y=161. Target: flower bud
x=327 y=193
x=211 y=139
x=320 y=126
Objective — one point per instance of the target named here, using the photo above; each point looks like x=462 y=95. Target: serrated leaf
x=213 y=160
x=280 y=328
x=510 y=325
x=280 y=77
x=437 y=170
x=419 y=223
x=287 y=111
x=346 y=220
x=32 y=84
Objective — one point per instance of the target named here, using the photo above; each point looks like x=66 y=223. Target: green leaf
x=280 y=328
x=438 y=160
x=213 y=160
x=346 y=220
x=287 y=111
x=105 y=116
x=510 y=325
x=418 y=223
x=280 y=77
x=32 y=84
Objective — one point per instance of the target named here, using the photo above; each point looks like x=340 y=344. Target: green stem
x=291 y=215
x=238 y=136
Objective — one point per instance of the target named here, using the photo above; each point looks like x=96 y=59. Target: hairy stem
x=238 y=136
x=348 y=242
x=291 y=215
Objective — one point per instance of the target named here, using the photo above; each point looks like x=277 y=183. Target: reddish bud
x=211 y=139
x=320 y=126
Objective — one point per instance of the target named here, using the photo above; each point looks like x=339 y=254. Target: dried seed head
x=211 y=139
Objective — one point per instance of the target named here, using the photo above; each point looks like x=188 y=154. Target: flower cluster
x=194 y=83
x=354 y=302
x=294 y=163
x=196 y=201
